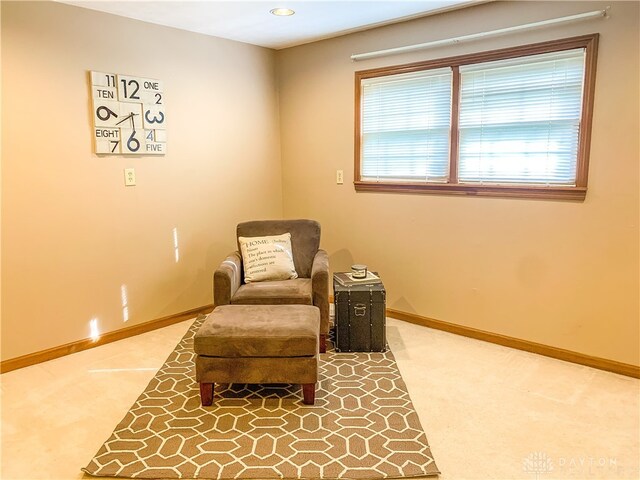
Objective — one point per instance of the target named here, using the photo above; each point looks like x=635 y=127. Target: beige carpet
x=362 y=426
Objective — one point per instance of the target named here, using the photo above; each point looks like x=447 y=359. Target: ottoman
x=258 y=344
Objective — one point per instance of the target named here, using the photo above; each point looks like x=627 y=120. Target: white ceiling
x=251 y=22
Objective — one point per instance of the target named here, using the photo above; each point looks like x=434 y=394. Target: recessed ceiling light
x=282 y=12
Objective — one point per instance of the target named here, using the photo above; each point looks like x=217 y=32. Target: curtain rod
x=474 y=36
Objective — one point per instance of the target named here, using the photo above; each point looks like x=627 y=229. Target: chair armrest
x=320 y=287
x=226 y=279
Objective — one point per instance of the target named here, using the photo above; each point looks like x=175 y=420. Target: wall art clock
x=128 y=115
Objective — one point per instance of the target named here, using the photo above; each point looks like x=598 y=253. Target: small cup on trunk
x=359 y=271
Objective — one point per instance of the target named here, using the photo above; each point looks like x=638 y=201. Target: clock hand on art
x=125 y=118
x=128 y=117
x=133 y=123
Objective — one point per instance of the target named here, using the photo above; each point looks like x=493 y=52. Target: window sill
x=512 y=191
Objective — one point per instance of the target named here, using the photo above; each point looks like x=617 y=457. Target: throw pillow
x=267 y=258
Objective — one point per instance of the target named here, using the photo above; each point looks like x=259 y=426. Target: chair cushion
x=278 y=292
x=259 y=331
x=305 y=238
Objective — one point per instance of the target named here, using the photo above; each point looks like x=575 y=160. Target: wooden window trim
x=454 y=134
x=577 y=192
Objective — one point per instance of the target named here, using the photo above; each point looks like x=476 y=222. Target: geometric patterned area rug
x=362 y=426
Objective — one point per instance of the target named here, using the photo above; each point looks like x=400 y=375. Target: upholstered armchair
x=311 y=263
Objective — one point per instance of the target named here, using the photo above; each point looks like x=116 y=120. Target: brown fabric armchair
x=312 y=264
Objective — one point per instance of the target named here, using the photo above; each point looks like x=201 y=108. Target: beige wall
x=72 y=233
x=559 y=273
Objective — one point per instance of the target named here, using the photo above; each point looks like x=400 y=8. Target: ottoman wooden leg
x=323 y=343
x=309 y=393
x=206 y=394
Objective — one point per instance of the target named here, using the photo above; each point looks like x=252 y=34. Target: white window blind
x=520 y=119
x=405 y=126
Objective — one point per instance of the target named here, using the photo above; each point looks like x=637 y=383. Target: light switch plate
x=129 y=177
x=339 y=177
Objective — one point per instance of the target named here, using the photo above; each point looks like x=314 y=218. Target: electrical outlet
x=129 y=177
x=339 y=177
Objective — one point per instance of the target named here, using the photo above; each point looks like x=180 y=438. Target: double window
x=513 y=122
